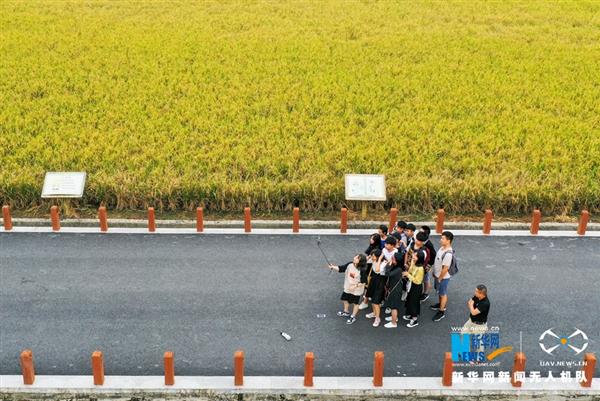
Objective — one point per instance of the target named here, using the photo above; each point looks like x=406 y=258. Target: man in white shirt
x=443 y=260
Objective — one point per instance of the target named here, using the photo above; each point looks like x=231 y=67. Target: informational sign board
x=63 y=185
x=365 y=187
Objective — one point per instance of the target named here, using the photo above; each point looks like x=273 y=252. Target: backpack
x=426 y=264
x=453 y=268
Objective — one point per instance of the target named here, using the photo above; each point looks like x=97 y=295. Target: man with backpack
x=443 y=268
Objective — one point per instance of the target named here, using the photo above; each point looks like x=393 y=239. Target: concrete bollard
x=98 y=368
x=583 y=222
x=344 y=221
x=487 y=222
x=169 y=368
x=439 y=222
x=309 y=366
x=296 y=222
x=378 y=369
x=151 y=220
x=238 y=368
x=535 y=221
x=103 y=219
x=54 y=218
x=27 y=368
x=199 y=220
x=589 y=369
x=518 y=366
x=247 y=220
x=448 y=369
x=393 y=219
x=7 y=218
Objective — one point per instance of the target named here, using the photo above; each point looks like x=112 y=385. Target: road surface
x=205 y=296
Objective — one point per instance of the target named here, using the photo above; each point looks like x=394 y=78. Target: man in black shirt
x=479 y=307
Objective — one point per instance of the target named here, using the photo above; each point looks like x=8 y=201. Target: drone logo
x=564 y=341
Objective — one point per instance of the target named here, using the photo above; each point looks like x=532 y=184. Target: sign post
x=365 y=188
x=67 y=185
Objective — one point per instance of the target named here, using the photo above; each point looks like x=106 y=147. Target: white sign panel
x=365 y=187
x=63 y=185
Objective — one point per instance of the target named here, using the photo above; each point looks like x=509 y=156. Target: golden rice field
x=465 y=105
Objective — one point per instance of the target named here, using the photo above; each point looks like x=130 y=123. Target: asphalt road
x=205 y=296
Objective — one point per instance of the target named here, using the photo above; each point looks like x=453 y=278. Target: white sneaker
x=388 y=311
x=388 y=318
x=376 y=322
x=390 y=325
x=370 y=315
x=408 y=318
x=363 y=306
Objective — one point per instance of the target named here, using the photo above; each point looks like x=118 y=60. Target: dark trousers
x=413 y=300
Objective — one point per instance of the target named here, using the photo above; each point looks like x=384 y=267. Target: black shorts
x=351 y=299
x=376 y=290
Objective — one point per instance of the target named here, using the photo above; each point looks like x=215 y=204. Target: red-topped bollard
x=309 y=366
x=589 y=367
x=98 y=368
x=448 y=369
x=393 y=219
x=518 y=366
x=151 y=220
x=487 y=222
x=378 y=369
x=54 y=218
x=535 y=221
x=344 y=221
x=169 y=368
x=238 y=368
x=296 y=222
x=583 y=222
x=247 y=220
x=27 y=368
x=439 y=223
x=102 y=216
x=7 y=218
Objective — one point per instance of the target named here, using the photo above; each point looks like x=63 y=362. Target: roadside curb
x=329 y=387
x=277 y=224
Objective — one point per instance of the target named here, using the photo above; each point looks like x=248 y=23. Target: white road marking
x=284 y=231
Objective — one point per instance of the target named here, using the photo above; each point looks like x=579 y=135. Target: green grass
x=465 y=105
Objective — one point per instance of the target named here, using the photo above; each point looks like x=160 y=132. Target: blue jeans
x=442 y=286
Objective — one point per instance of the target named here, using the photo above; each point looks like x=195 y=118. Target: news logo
x=476 y=347
x=550 y=342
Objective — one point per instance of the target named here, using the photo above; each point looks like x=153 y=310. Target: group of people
x=396 y=273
